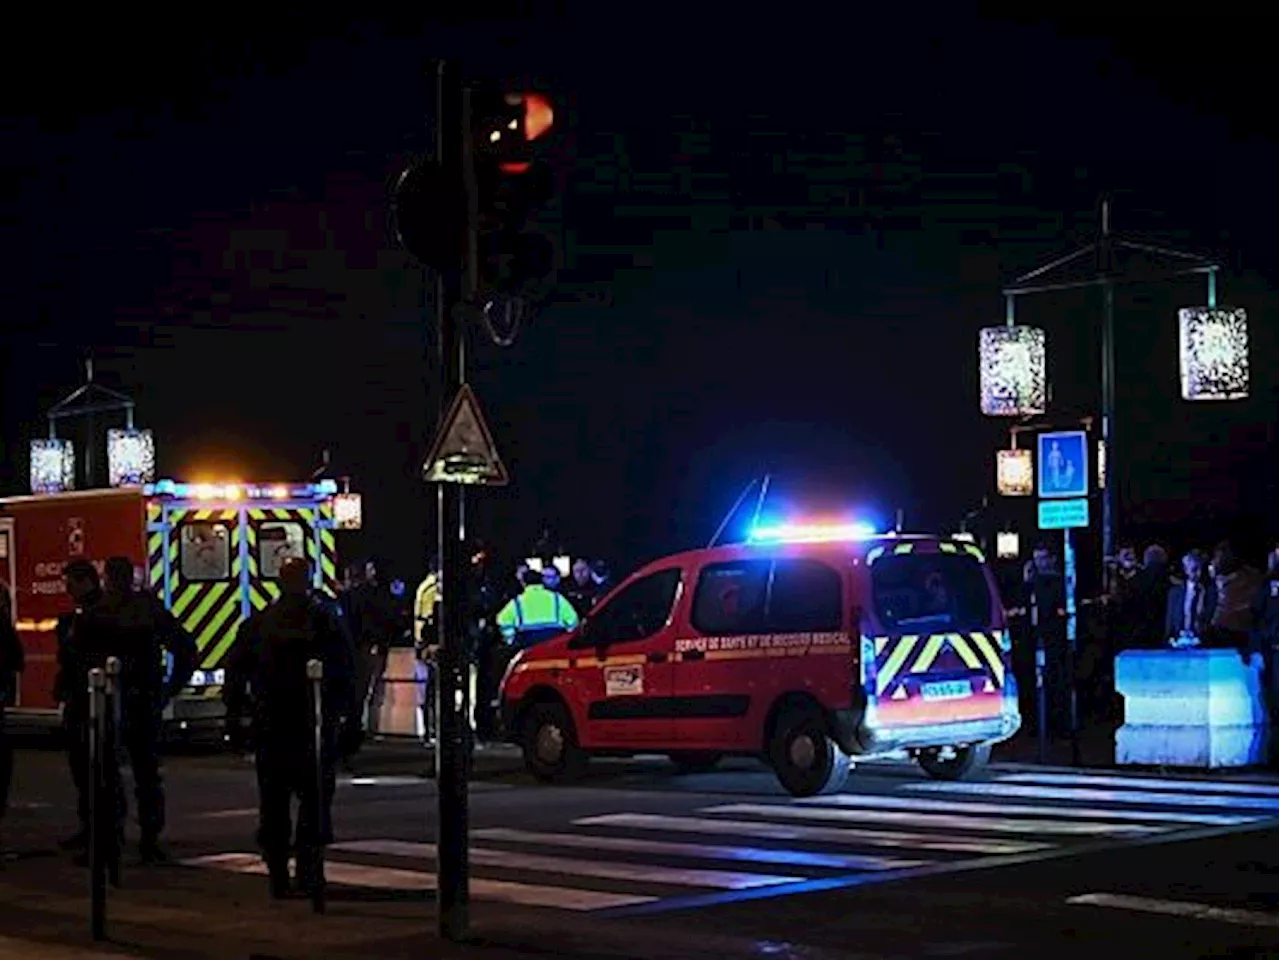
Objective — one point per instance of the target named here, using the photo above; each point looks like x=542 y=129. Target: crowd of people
x=503 y=616
x=1213 y=600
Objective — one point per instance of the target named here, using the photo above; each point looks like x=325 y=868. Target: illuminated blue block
x=1190 y=708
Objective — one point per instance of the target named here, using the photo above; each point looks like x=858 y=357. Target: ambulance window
x=277 y=542
x=205 y=551
x=931 y=593
x=639 y=611
x=805 y=598
x=729 y=599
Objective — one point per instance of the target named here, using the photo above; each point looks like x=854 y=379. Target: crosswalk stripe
x=390 y=878
x=998 y=789
x=566 y=866
x=1016 y=809
x=1145 y=783
x=1177 y=908
x=786 y=831
x=801 y=858
x=939 y=820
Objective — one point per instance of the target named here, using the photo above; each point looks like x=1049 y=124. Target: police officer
x=537 y=614
x=144 y=632
x=86 y=638
x=272 y=664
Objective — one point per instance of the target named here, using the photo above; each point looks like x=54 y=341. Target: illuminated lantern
x=1011 y=371
x=1214 y=350
x=1007 y=546
x=53 y=466
x=347 y=511
x=131 y=457
x=1015 y=475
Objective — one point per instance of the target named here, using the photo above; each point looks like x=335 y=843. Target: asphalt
x=634 y=861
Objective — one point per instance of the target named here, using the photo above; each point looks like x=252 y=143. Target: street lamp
x=1015 y=475
x=1214 y=355
x=1011 y=371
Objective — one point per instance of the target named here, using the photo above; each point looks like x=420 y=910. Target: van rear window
x=931 y=593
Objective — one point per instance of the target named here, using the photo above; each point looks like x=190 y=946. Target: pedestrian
x=86 y=638
x=370 y=615
x=537 y=614
x=11 y=663
x=1190 y=606
x=1046 y=599
x=581 y=590
x=1237 y=585
x=1265 y=645
x=145 y=631
x=270 y=669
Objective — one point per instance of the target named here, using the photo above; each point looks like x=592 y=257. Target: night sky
x=779 y=238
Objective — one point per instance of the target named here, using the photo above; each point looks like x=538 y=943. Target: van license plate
x=946 y=690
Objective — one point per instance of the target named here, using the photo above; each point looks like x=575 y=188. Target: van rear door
x=939 y=646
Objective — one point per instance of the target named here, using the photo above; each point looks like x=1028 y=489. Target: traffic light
x=429 y=215
x=513 y=180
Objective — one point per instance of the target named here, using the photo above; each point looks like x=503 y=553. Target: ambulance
x=806 y=646
x=211 y=552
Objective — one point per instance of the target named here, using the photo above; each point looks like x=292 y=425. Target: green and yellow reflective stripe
x=990 y=652
x=189 y=594
x=947 y=547
x=896 y=659
x=902 y=548
x=208 y=635
x=212 y=595
x=932 y=647
x=961 y=647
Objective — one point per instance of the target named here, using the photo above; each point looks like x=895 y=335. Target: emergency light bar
x=813 y=533
x=237 y=491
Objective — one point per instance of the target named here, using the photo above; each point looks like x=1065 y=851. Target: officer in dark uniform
x=86 y=638
x=271 y=664
x=145 y=630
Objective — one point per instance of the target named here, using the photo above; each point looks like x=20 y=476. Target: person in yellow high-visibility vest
x=537 y=614
x=425 y=641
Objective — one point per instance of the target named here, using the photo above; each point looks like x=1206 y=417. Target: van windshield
x=931 y=593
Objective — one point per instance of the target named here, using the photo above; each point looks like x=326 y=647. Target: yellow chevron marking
x=257 y=599
x=154 y=543
x=192 y=591
x=896 y=659
x=881 y=643
x=991 y=653
x=932 y=647
x=157 y=574
x=256 y=514
x=280 y=513
x=210 y=633
x=306 y=516
x=961 y=646
x=196 y=617
x=947 y=547
x=902 y=548
x=199 y=515
x=970 y=549
x=271 y=588
x=328 y=568
x=176 y=515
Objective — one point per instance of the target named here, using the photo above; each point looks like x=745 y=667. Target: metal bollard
x=111 y=766
x=315 y=674
x=97 y=862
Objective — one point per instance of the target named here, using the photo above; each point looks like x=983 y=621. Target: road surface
x=636 y=861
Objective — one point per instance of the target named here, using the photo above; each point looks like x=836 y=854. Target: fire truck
x=211 y=552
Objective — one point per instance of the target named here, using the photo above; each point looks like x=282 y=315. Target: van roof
x=860 y=547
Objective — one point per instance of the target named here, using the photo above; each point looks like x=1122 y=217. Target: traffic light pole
x=452 y=744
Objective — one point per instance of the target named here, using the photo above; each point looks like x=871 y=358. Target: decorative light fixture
x=1015 y=473
x=347 y=511
x=53 y=465
x=1214 y=351
x=1102 y=465
x=1007 y=545
x=1012 y=371
x=131 y=457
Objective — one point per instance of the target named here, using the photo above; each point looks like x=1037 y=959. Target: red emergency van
x=806 y=647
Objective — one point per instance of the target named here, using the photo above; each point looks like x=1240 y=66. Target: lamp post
x=1215 y=347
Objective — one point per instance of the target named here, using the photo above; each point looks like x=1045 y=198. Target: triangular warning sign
x=464 y=451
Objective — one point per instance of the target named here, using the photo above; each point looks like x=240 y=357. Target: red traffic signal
x=508 y=130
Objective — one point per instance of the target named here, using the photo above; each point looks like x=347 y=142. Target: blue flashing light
x=813 y=533
x=327 y=487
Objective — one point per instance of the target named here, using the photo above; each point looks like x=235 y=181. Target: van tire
x=805 y=759
x=701 y=761
x=966 y=762
x=547 y=726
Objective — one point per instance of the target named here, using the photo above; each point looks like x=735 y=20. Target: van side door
x=621 y=664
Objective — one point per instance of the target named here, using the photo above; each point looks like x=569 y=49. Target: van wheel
x=954 y=763
x=806 y=760
x=702 y=761
x=550 y=744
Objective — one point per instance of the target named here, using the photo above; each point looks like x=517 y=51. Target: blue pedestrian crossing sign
x=1063 y=468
